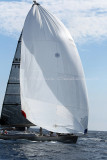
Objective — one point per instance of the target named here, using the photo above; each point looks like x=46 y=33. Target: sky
x=87 y=22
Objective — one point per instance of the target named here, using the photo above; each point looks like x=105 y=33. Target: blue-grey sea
x=90 y=147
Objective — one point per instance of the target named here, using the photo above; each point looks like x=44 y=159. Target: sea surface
x=90 y=147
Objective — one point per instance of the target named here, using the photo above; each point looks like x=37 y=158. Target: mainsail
x=53 y=90
x=11 y=110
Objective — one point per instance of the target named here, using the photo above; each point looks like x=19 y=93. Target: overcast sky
x=87 y=23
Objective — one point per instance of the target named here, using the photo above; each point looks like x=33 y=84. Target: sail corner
x=35 y=3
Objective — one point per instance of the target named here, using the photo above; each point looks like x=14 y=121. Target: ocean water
x=90 y=147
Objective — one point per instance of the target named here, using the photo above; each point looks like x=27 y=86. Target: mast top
x=35 y=3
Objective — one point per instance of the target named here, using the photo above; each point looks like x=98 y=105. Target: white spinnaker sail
x=53 y=91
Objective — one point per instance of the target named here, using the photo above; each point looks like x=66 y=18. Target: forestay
x=53 y=91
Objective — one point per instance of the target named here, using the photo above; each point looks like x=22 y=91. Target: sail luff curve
x=53 y=89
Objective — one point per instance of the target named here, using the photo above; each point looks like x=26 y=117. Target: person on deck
x=40 y=131
x=5 y=132
x=1 y=132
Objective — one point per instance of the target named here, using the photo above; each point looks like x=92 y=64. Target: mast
x=11 y=109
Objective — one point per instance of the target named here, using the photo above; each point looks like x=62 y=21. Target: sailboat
x=47 y=85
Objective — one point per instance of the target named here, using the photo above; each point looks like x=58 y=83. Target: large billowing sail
x=53 y=91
